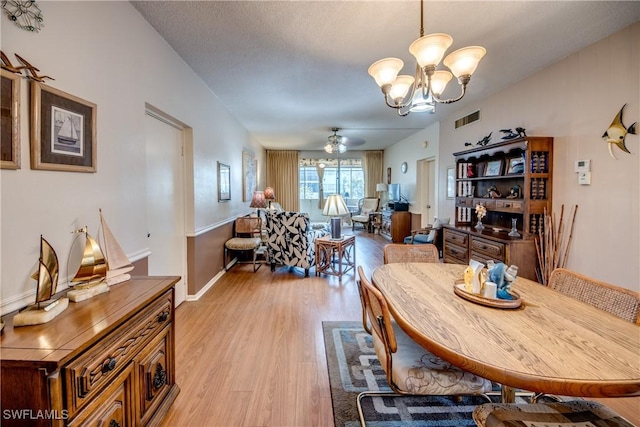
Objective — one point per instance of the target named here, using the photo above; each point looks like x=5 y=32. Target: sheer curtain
x=373 y=171
x=320 y=170
x=282 y=175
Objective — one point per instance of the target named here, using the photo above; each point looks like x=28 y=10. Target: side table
x=335 y=257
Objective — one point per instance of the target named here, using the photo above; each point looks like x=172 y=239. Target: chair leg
x=226 y=255
x=306 y=272
x=372 y=394
x=255 y=254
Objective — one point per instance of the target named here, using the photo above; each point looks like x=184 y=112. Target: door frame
x=426 y=187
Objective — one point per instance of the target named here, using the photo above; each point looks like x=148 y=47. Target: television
x=394 y=192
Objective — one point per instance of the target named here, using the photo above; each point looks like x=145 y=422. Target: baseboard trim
x=206 y=287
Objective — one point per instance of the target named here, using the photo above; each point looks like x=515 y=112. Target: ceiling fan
x=338 y=143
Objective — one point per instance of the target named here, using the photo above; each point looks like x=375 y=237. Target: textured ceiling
x=289 y=71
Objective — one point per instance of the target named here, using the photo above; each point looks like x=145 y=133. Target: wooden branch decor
x=551 y=247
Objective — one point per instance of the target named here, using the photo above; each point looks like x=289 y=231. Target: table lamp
x=258 y=201
x=269 y=194
x=381 y=188
x=335 y=207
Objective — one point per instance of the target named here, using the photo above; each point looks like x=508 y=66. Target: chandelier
x=334 y=143
x=421 y=93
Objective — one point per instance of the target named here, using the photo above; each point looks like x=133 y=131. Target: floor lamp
x=335 y=207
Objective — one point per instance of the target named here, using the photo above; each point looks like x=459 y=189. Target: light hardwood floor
x=250 y=352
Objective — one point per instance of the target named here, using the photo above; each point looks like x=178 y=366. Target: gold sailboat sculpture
x=118 y=264
x=89 y=280
x=44 y=308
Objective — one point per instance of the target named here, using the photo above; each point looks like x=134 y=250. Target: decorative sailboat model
x=90 y=279
x=44 y=308
x=118 y=264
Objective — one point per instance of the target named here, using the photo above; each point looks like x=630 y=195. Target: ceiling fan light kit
x=421 y=93
x=334 y=143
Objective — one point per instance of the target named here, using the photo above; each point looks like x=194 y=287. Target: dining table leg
x=508 y=394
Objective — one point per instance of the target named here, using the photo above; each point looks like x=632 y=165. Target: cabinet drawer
x=480 y=257
x=510 y=205
x=464 y=202
x=454 y=253
x=96 y=367
x=494 y=250
x=455 y=237
x=116 y=407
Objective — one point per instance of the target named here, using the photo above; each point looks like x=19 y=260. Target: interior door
x=427 y=191
x=165 y=201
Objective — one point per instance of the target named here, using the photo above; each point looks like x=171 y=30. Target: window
x=343 y=176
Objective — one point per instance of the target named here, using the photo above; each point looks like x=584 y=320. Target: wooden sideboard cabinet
x=107 y=361
x=395 y=225
x=463 y=243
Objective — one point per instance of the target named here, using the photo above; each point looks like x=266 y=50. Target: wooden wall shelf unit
x=109 y=360
x=525 y=164
x=396 y=225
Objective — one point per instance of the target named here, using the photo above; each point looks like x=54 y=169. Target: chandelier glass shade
x=421 y=92
x=334 y=143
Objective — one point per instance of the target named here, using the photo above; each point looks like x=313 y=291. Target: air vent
x=463 y=121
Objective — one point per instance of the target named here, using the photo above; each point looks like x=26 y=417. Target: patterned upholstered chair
x=410 y=369
x=291 y=240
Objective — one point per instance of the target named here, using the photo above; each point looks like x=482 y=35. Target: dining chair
x=409 y=368
x=363 y=302
x=398 y=252
x=558 y=414
x=620 y=302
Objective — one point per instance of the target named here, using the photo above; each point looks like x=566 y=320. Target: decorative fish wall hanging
x=616 y=133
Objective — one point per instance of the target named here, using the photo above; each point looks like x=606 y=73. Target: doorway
x=426 y=189
x=166 y=235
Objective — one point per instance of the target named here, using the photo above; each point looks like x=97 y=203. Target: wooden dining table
x=551 y=344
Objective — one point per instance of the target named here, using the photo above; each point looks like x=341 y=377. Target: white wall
x=412 y=150
x=106 y=53
x=574 y=101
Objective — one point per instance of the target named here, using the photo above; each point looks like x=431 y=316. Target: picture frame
x=10 y=128
x=249 y=182
x=515 y=166
x=451 y=182
x=63 y=131
x=493 y=168
x=224 y=182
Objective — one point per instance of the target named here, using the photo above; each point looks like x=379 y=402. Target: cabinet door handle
x=160 y=377
x=109 y=365
x=162 y=317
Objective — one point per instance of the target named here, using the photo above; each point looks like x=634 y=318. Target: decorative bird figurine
x=484 y=141
x=7 y=65
x=508 y=134
x=616 y=133
x=521 y=132
x=33 y=71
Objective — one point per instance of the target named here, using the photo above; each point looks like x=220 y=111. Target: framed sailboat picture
x=63 y=131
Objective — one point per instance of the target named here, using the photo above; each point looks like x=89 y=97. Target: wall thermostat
x=583 y=166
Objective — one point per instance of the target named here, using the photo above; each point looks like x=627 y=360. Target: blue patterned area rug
x=354 y=367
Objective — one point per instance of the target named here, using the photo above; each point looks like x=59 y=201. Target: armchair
x=366 y=206
x=290 y=240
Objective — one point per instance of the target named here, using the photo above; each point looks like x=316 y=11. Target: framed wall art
x=10 y=127
x=451 y=182
x=249 y=182
x=224 y=182
x=493 y=168
x=63 y=131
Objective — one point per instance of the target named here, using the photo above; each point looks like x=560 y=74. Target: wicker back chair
x=409 y=368
x=398 y=252
x=620 y=302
